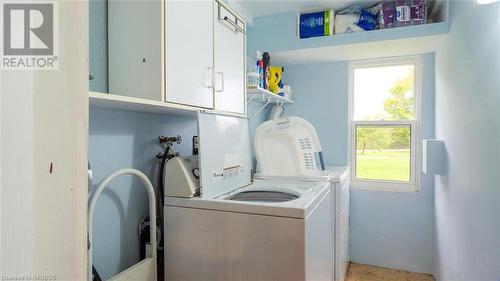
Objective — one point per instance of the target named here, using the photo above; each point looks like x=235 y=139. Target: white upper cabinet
x=167 y=54
x=189 y=52
x=229 y=60
x=205 y=56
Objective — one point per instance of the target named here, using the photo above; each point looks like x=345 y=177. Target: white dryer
x=288 y=149
x=238 y=230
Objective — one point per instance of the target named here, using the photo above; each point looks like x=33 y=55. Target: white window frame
x=414 y=184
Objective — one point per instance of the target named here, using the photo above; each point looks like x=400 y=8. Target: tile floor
x=361 y=272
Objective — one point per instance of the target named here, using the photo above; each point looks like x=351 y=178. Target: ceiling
x=259 y=8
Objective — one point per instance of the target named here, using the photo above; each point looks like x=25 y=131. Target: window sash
x=414 y=61
x=386 y=184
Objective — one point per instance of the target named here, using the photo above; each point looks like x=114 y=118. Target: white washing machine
x=298 y=158
x=238 y=230
x=277 y=232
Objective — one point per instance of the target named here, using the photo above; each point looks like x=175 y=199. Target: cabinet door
x=189 y=52
x=229 y=59
x=134 y=48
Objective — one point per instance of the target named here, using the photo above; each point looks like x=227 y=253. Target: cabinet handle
x=221 y=75
x=234 y=24
x=209 y=82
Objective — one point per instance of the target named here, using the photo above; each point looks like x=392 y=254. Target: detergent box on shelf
x=315 y=24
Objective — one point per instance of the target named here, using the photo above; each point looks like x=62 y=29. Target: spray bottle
x=266 y=60
x=259 y=70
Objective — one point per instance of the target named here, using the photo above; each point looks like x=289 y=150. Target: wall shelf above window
x=393 y=42
x=265 y=96
x=287 y=49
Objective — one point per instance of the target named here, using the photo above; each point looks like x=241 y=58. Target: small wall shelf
x=265 y=96
x=103 y=100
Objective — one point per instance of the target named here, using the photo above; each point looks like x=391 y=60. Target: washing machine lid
x=319 y=178
x=333 y=174
x=224 y=153
x=288 y=147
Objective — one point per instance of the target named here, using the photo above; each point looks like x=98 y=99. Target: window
x=384 y=115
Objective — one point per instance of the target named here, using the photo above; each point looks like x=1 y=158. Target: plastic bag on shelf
x=403 y=13
x=418 y=12
x=387 y=14
x=356 y=18
x=394 y=13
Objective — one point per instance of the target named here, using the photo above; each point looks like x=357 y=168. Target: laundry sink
x=263 y=196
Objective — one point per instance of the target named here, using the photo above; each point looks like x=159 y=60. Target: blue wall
x=394 y=229
x=467 y=238
x=124 y=139
x=117 y=140
x=320 y=95
x=389 y=229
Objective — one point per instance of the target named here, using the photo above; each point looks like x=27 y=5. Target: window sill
x=385 y=189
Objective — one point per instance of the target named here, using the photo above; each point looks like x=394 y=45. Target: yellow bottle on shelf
x=275 y=73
